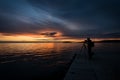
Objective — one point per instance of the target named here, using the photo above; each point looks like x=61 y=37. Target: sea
x=48 y=61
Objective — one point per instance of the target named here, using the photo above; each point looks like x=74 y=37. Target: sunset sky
x=36 y=20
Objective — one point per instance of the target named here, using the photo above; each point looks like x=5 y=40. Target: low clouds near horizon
x=75 y=18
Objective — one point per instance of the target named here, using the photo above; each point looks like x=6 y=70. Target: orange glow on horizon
x=39 y=37
x=31 y=37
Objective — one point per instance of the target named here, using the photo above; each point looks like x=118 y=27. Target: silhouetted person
x=90 y=44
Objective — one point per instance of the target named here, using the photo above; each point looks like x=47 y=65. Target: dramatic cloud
x=74 y=18
x=49 y=34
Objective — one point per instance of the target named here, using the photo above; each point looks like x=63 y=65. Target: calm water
x=35 y=60
x=42 y=61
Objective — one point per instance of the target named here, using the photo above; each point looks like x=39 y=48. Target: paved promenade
x=101 y=67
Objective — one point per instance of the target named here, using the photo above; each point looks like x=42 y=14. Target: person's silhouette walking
x=90 y=44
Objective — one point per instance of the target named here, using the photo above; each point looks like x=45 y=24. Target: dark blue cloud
x=76 y=18
x=49 y=34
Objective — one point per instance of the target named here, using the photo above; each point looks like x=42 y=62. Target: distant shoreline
x=109 y=41
x=102 y=41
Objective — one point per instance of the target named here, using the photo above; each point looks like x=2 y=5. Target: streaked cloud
x=73 y=18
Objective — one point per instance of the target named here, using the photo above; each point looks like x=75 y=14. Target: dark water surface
x=35 y=61
x=46 y=61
